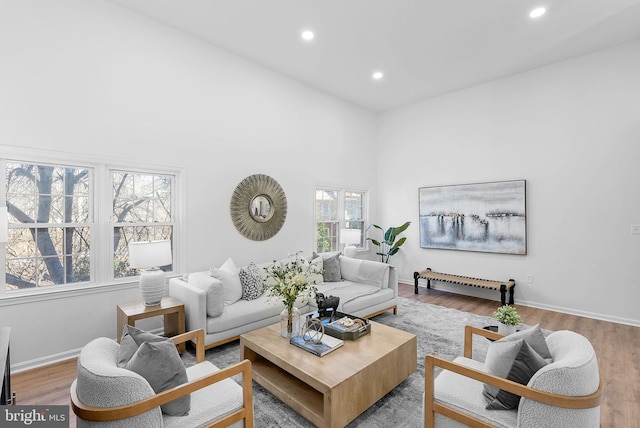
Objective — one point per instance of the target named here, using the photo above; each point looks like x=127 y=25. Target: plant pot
x=290 y=322
x=506 y=329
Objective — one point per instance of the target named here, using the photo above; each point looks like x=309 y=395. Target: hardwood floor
x=617 y=347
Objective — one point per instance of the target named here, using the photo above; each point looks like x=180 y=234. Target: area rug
x=439 y=331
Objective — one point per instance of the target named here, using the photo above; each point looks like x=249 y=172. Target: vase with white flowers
x=508 y=318
x=289 y=280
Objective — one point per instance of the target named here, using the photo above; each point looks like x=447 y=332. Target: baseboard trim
x=564 y=310
x=54 y=358
x=44 y=361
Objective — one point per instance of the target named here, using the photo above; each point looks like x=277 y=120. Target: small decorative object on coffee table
x=288 y=281
x=325 y=303
x=508 y=318
x=313 y=331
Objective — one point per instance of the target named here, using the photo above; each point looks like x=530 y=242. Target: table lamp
x=150 y=255
x=349 y=237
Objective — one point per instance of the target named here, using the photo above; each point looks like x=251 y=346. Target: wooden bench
x=503 y=286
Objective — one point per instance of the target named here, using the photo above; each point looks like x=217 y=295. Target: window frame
x=101 y=251
x=341 y=218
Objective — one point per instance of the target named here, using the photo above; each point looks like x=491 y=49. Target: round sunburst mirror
x=258 y=207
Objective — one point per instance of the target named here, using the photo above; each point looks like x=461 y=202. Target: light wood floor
x=617 y=347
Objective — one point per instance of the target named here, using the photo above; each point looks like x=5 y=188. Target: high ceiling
x=425 y=48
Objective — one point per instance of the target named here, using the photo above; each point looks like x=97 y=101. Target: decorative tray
x=335 y=328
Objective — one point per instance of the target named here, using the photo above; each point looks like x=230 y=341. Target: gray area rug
x=439 y=331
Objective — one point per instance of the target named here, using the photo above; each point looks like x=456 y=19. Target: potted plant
x=508 y=318
x=288 y=280
x=388 y=246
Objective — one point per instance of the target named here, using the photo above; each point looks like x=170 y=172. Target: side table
x=171 y=309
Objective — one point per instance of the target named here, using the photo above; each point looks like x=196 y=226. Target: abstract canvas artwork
x=487 y=217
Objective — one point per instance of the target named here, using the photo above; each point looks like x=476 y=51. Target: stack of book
x=327 y=344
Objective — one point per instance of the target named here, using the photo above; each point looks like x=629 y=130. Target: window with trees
x=142 y=205
x=60 y=222
x=50 y=225
x=337 y=209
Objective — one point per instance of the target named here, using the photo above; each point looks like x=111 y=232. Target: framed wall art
x=487 y=217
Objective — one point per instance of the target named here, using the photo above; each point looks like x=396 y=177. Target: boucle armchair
x=566 y=392
x=106 y=395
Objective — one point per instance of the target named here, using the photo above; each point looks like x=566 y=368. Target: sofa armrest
x=469 y=331
x=393 y=280
x=195 y=303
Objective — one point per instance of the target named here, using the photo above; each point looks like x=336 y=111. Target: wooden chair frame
x=114 y=413
x=431 y=407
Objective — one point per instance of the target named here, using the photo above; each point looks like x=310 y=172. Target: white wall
x=572 y=130
x=89 y=77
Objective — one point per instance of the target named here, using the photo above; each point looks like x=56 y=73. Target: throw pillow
x=251 y=281
x=331 y=268
x=514 y=360
x=213 y=289
x=160 y=364
x=534 y=337
x=131 y=339
x=228 y=275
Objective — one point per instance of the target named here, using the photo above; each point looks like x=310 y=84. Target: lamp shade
x=150 y=254
x=350 y=236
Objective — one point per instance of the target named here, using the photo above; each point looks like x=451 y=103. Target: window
x=142 y=207
x=337 y=209
x=61 y=224
x=49 y=238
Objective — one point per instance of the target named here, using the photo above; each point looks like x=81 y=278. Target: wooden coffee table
x=333 y=390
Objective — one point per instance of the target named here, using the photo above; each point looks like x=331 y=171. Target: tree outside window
x=142 y=211
x=52 y=237
x=50 y=225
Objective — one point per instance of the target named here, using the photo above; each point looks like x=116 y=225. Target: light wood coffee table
x=333 y=390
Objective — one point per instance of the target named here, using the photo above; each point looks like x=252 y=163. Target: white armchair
x=106 y=395
x=566 y=392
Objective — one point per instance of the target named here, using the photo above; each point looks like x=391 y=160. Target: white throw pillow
x=214 y=290
x=228 y=275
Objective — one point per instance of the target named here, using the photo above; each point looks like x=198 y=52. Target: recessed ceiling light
x=377 y=75
x=537 y=13
x=308 y=35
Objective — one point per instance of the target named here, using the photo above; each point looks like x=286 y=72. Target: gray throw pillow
x=534 y=337
x=160 y=364
x=131 y=339
x=213 y=289
x=251 y=281
x=331 y=268
x=514 y=360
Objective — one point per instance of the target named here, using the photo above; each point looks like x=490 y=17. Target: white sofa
x=366 y=288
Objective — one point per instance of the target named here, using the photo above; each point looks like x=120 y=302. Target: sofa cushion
x=228 y=275
x=160 y=364
x=465 y=394
x=251 y=281
x=365 y=271
x=514 y=360
x=213 y=289
x=353 y=296
x=245 y=312
x=534 y=337
x=209 y=403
